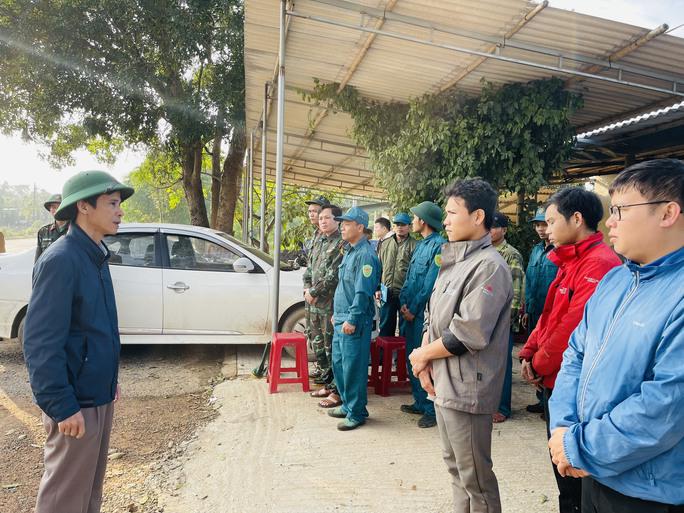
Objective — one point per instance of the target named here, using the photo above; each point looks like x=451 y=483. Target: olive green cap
x=86 y=184
x=55 y=198
x=430 y=213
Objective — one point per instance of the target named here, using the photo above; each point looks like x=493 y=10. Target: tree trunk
x=216 y=166
x=192 y=184
x=230 y=182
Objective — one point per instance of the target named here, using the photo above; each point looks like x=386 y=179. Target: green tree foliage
x=21 y=210
x=515 y=137
x=100 y=74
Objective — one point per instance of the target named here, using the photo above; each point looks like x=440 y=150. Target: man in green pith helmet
x=420 y=278
x=71 y=345
x=53 y=231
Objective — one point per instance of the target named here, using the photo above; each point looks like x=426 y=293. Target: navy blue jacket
x=71 y=335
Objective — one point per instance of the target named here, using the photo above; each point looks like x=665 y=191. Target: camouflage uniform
x=305 y=261
x=49 y=234
x=321 y=277
x=515 y=263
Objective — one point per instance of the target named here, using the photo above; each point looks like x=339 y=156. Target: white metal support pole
x=250 y=189
x=245 y=201
x=264 y=139
x=279 y=170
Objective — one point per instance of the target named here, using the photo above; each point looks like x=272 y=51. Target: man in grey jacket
x=464 y=346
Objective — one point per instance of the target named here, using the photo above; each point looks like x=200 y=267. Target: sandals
x=321 y=392
x=332 y=401
x=499 y=417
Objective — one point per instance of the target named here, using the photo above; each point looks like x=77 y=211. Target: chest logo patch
x=438 y=260
x=367 y=270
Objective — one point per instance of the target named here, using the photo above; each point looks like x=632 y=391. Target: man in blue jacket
x=414 y=295
x=353 y=312
x=71 y=345
x=617 y=409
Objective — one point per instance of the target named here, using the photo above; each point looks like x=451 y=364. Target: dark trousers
x=569 y=488
x=389 y=314
x=597 y=498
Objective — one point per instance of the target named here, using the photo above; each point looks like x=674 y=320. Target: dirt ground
x=186 y=440
x=166 y=397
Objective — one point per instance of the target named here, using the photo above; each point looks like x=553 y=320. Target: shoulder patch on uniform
x=367 y=270
x=438 y=260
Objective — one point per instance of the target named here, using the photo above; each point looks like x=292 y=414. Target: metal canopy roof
x=607 y=150
x=394 y=50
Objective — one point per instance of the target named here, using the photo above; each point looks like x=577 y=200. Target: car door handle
x=179 y=286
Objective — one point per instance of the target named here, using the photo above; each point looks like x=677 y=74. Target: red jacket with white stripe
x=580 y=267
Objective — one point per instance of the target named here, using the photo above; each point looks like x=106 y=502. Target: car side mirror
x=243 y=265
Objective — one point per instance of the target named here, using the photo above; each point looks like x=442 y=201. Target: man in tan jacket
x=467 y=325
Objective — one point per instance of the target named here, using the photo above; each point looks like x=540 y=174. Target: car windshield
x=284 y=266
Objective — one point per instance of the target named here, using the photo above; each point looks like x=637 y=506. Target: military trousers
x=321 y=336
x=350 y=366
x=75 y=468
x=413 y=332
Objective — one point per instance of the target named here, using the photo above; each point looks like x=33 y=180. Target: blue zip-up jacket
x=359 y=275
x=620 y=390
x=421 y=274
x=538 y=277
x=71 y=335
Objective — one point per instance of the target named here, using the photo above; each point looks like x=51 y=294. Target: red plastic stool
x=382 y=379
x=275 y=368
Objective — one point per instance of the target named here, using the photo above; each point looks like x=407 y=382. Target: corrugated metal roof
x=318 y=149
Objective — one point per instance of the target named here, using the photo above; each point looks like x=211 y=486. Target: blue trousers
x=413 y=331
x=350 y=355
x=505 y=404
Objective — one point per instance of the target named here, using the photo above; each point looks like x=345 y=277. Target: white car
x=176 y=284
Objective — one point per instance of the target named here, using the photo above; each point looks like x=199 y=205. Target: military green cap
x=55 y=198
x=430 y=213
x=86 y=184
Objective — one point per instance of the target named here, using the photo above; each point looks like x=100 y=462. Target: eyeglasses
x=616 y=210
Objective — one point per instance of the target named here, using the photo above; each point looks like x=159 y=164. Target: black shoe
x=427 y=421
x=535 y=408
x=410 y=408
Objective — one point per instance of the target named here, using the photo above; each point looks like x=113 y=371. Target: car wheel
x=295 y=322
x=20 y=332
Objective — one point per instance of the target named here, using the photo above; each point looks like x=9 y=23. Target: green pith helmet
x=430 y=213
x=86 y=184
x=55 y=198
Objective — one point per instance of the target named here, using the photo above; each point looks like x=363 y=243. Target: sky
x=20 y=162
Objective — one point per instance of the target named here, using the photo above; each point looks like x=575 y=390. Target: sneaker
x=535 y=408
x=411 y=408
x=348 y=425
x=338 y=413
x=427 y=421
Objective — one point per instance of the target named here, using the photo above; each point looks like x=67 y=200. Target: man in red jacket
x=583 y=259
